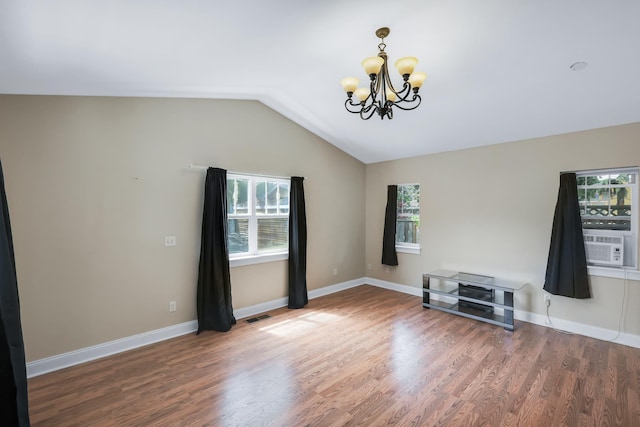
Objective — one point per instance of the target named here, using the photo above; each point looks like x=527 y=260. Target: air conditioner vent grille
x=604 y=250
x=604 y=239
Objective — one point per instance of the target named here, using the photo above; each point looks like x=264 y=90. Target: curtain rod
x=192 y=166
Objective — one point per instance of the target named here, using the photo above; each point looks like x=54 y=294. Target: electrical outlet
x=335 y=271
x=547 y=300
x=369 y=267
x=169 y=240
x=172 y=306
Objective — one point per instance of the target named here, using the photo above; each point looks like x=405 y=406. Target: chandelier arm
x=367 y=112
x=381 y=89
x=349 y=102
x=416 y=99
x=404 y=93
x=356 y=107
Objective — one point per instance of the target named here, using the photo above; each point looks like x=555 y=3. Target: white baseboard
x=537 y=319
x=336 y=288
x=394 y=286
x=596 y=332
x=76 y=357
x=244 y=312
x=61 y=361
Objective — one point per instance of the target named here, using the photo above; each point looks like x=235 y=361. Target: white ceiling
x=498 y=70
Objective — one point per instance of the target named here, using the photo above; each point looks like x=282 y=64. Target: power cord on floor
x=622 y=311
x=624 y=306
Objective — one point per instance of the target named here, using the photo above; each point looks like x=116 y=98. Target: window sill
x=258 y=259
x=408 y=249
x=616 y=273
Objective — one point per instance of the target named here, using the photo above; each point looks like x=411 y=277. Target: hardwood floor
x=366 y=356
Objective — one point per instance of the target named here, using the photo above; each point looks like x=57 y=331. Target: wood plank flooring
x=362 y=357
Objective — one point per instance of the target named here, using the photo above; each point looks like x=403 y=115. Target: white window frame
x=628 y=271
x=255 y=256
x=405 y=247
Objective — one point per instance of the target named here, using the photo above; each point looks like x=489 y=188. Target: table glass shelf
x=470 y=295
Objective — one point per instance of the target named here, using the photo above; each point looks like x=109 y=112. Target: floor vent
x=255 y=319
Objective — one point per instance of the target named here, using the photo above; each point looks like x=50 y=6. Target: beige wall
x=489 y=210
x=94 y=185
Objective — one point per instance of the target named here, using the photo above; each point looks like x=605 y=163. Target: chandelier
x=380 y=97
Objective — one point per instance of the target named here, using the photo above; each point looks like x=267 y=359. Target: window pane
x=623 y=178
x=283 y=205
x=273 y=233
x=237 y=196
x=238 y=235
x=611 y=211
x=597 y=208
x=594 y=194
x=261 y=197
x=598 y=180
x=582 y=200
x=580 y=180
x=407 y=231
x=408 y=200
x=272 y=197
x=408 y=218
x=621 y=201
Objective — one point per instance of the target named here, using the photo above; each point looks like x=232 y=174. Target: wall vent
x=255 y=319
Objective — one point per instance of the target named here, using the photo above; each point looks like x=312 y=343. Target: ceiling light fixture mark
x=577 y=66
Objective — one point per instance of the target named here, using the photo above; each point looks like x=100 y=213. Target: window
x=408 y=218
x=257 y=215
x=608 y=206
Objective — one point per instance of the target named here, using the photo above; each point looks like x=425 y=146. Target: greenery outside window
x=608 y=207
x=408 y=218
x=257 y=216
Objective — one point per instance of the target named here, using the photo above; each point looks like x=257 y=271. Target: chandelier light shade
x=380 y=97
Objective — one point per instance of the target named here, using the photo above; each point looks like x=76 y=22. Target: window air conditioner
x=604 y=250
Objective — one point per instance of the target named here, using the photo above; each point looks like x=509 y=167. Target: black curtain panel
x=14 y=406
x=214 y=283
x=567 y=263
x=389 y=255
x=297 y=245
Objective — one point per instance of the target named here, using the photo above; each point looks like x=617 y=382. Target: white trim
x=394 y=286
x=61 y=361
x=580 y=328
x=320 y=292
x=252 y=310
x=258 y=259
x=76 y=357
x=87 y=354
x=592 y=172
x=615 y=273
x=408 y=249
x=538 y=319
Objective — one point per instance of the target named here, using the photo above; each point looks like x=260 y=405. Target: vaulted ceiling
x=498 y=70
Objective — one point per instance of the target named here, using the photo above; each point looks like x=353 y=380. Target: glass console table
x=474 y=296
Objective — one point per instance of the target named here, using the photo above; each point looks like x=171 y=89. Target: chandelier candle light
x=380 y=97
